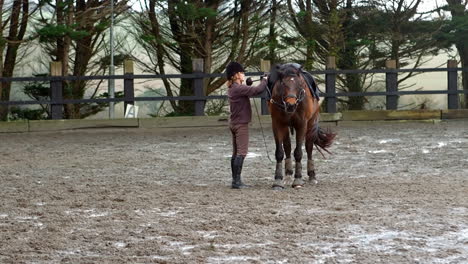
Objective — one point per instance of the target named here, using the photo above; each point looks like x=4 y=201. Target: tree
x=331 y=28
x=355 y=44
x=272 y=32
x=455 y=32
x=363 y=35
x=73 y=32
x=14 y=17
x=301 y=14
x=218 y=31
x=405 y=34
x=347 y=39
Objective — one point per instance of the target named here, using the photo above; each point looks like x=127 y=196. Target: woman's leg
x=234 y=148
x=242 y=143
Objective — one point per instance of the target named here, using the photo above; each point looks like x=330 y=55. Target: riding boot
x=233 y=169
x=233 y=158
x=236 y=173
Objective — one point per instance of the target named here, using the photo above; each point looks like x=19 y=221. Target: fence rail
x=391 y=93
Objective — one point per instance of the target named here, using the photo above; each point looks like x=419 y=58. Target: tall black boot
x=233 y=158
x=236 y=173
x=233 y=169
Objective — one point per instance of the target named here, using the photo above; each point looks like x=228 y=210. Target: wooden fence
x=391 y=93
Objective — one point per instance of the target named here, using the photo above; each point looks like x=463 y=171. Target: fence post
x=56 y=94
x=391 y=84
x=452 y=79
x=330 y=85
x=129 y=90
x=197 y=65
x=265 y=66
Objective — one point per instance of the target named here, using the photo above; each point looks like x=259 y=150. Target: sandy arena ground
x=394 y=192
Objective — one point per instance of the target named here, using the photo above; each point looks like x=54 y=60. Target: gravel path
x=394 y=192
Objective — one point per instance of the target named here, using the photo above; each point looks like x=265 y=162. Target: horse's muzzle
x=290 y=108
x=290 y=104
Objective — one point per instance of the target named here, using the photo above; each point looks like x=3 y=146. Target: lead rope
x=261 y=128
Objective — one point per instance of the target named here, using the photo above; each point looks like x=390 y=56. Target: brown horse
x=293 y=107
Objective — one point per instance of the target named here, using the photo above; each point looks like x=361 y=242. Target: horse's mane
x=273 y=76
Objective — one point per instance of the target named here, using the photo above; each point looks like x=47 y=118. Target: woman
x=241 y=115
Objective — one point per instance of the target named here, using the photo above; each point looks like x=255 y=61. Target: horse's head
x=289 y=88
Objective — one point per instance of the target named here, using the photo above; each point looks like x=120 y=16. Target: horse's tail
x=322 y=139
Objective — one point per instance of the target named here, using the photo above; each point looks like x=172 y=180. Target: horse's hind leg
x=310 y=161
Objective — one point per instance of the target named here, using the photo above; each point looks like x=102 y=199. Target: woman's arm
x=245 y=90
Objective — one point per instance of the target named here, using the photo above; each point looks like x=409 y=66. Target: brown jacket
x=239 y=103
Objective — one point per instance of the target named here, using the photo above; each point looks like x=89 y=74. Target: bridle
x=283 y=105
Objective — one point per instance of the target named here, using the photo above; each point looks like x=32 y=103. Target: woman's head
x=235 y=72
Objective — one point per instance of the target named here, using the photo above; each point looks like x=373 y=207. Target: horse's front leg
x=298 y=181
x=280 y=135
x=288 y=167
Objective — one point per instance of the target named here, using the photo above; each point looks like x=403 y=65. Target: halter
x=283 y=104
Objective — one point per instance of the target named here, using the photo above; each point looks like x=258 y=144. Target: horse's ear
x=298 y=68
x=277 y=70
x=280 y=73
x=274 y=69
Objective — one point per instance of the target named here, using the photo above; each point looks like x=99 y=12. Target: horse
x=294 y=107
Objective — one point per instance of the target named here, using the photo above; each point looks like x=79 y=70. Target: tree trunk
x=3 y=108
x=82 y=57
x=186 y=89
x=349 y=60
x=305 y=26
x=272 y=36
x=160 y=51
x=309 y=59
x=459 y=13
x=352 y=81
x=15 y=36
x=65 y=17
x=463 y=52
x=186 y=53
x=208 y=26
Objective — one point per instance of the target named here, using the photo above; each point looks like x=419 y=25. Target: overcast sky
x=427 y=5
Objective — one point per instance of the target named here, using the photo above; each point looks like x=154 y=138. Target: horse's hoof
x=278 y=185
x=298 y=183
x=277 y=188
x=313 y=181
x=240 y=186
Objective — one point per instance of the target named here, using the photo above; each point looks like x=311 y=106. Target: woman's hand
x=249 y=81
